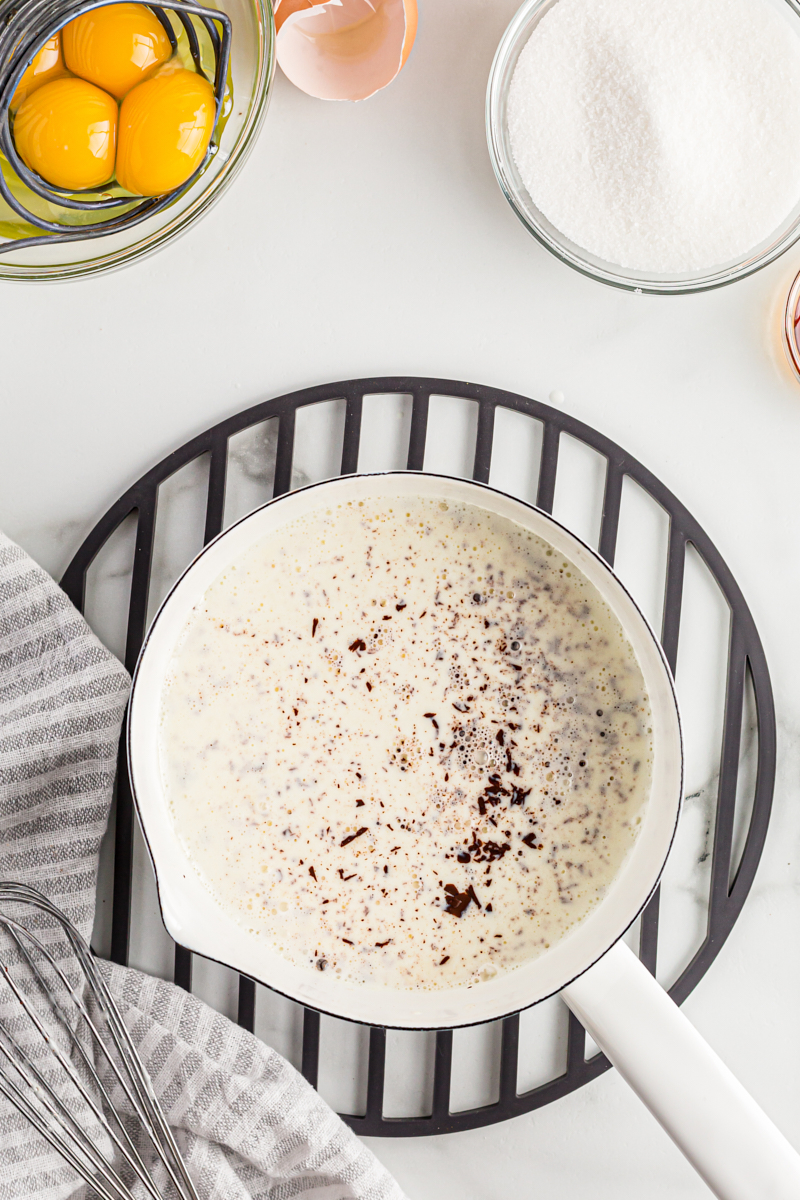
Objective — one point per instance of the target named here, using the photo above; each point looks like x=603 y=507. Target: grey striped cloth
x=248 y=1124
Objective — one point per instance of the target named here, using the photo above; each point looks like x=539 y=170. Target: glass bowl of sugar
x=652 y=148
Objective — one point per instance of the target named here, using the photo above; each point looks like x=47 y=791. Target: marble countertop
x=372 y=240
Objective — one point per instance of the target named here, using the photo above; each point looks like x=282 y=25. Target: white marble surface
x=373 y=240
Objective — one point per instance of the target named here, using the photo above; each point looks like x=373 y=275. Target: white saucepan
x=722 y=1131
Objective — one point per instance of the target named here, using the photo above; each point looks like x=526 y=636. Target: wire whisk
x=67 y=1061
x=25 y=27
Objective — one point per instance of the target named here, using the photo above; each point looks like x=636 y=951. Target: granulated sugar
x=662 y=137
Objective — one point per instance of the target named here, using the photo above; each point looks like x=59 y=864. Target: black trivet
x=745 y=657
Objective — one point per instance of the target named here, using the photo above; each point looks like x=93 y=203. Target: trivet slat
x=217 y=473
x=546 y=490
x=673 y=595
x=246 y=1009
x=648 y=932
x=310 y=1059
x=183 y=968
x=729 y=772
x=509 y=1060
x=765 y=780
x=137 y=619
x=419 y=429
x=376 y=1072
x=442 y=1075
x=140 y=583
x=123 y=859
x=351 y=440
x=612 y=502
x=284 y=453
x=744 y=654
x=483 y=443
x=576 y=1048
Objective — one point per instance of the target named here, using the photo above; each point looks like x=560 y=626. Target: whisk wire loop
x=65 y=1052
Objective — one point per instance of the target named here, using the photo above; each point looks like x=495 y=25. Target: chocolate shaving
x=463 y=857
x=358 y=644
x=530 y=840
x=312 y=873
x=400 y=606
x=352 y=837
x=487 y=852
x=348 y=941
x=444 y=960
x=314 y=625
x=369 y=686
x=500 y=736
x=458 y=902
x=380 y=945
x=359 y=803
x=518 y=794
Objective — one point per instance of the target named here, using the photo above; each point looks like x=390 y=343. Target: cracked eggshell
x=344 y=49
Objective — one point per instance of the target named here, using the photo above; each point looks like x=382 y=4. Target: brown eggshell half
x=347 y=50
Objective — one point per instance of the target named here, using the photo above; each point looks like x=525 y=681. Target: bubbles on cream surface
x=406 y=741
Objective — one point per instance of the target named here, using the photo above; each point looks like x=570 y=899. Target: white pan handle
x=726 y=1137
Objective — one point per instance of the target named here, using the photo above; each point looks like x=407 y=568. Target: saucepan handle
x=724 y=1134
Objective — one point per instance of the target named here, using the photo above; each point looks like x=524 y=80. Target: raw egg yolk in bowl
x=70 y=129
x=115 y=46
x=165 y=125
x=66 y=131
x=45 y=66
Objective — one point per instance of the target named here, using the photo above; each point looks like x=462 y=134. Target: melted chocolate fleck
x=352 y=837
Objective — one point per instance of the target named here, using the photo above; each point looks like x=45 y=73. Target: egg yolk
x=66 y=132
x=165 y=126
x=47 y=64
x=115 y=46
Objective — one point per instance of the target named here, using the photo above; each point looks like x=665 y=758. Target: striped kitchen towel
x=248 y=1124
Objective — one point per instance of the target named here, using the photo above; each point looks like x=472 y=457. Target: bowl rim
x=205 y=199
x=512 y=43
x=662 y=829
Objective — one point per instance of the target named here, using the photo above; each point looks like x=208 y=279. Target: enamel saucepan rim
x=195 y=920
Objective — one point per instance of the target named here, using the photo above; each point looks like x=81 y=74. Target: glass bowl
x=252 y=69
x=511 y=46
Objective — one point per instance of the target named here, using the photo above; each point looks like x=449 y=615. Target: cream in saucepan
x=405 y=741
